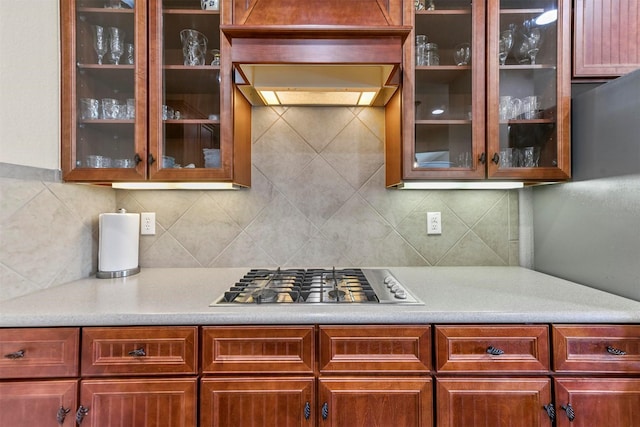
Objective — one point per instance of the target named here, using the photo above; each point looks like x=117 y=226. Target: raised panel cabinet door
x=390 y=349
x=495 y=402
x=606 y=37
x=257 y=402
x=498 y=349
x=597 y=402
x=596 y=348
x=375 y=401
x=253 y=349
x=170 y=402
x=139 y=350
x=39 y=352
x=38 y=403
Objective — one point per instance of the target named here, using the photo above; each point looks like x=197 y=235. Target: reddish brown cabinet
x=606 y=38
x=38 y=403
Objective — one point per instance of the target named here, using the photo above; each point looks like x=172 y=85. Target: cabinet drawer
x=366 y=349
x=252 y=349
x=596 y=348
x=39 y=352
x=138 y=350
x=492 y=349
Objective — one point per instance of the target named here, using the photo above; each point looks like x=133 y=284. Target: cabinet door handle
x=483 y=158
x=570 y=412
x=137 y=158
x=307 y=410
x=494 y=351
x=15 y=355
x=62 y=414
x=81 y=413
x=615 y=351
x=138 y=352
x=551 y=411
x=150 y=159
x=325 y=411
x=496 y=158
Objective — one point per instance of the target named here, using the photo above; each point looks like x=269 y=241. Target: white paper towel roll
x=119 y=244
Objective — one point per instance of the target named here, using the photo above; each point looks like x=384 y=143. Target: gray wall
x=588 y=230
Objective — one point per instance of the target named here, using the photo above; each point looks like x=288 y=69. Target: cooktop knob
x=401 y=294
x=395 y=288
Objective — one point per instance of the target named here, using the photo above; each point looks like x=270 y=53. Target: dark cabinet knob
x=139 y=352
x=62 y=414
x=325 y=410
x=15 y=355
x=615 y=351
x=569 y=411
x=494 y=351
x=81 y=413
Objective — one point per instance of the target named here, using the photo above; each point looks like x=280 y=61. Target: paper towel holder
x=118 y=272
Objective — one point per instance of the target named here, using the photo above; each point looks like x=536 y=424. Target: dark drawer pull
x=307 y=410
x=139 y=352
x=62 y=414
x=551 y=411
x=570 y=412
x=15 y=355
x=81 y=413
x=494 y=351
x=615 y=351
x=325 y=410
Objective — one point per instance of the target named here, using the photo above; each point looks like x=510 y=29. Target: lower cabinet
x=257 y=401
x=38 y=403
x=499 y=402
x=138 y=402
x=322 y=376
x=376 y=401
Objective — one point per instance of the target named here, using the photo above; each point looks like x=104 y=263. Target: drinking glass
x=116 y=44
x=533 y=38
x=100 y=41
x=194 y=47
x=506 y=43
x=462 y=54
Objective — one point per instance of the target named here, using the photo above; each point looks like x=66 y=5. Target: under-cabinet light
x=174 y=186
x=460 y=185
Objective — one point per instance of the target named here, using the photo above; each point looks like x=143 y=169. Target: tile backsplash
x=317 y=199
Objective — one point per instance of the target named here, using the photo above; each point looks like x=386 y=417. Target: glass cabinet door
x=447 y=56
x=104 y=90
x=529 y=93
x=185 y=96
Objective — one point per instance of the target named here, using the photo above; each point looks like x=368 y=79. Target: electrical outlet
x=434 y=223
x=148 y=223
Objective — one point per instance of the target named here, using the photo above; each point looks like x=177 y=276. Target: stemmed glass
x=533 y=37
x=505 y=45
x=462 y=54
x=100 y=42
x=116 y=43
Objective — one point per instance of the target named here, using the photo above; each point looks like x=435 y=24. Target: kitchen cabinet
x=606 y=36
x=454 y=83
x=136 y=375
x=38 y=376
x=163 y=110
x=375 y=375
x=491 y=372
x=258 y=373
x=589 y=360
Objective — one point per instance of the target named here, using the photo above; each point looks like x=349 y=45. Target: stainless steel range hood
x=317 y=65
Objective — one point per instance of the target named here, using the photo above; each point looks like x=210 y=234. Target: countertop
x=181 y=296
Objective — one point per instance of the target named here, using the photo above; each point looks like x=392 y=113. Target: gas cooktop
x=317 y=286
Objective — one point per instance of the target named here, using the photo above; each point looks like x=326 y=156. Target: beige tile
x=318 y=191
x=281 y=230
x=373 y=118
x=514 y=222
x=168 y=252
x=318 y=252
x=355 y=225
x=391 y=250
x=394 y=205
x=245 y=204
x=15 y=285
x=168 y=205
x=471 y=205
x=491 y=228
x=262 y=118
x=84 y=202
x=432 y=246
x=280 y=154
x=318 y=126
x=204 y=230
x=244 y=252
x=471 y=250
x=15 y=193
x=514 y=253
x=356 y=153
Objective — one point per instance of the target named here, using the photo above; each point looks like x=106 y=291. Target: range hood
x=309 y=55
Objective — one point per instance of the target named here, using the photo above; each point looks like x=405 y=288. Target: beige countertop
x=181 y=296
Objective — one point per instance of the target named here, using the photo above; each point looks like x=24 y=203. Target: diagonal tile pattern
x=317 y=199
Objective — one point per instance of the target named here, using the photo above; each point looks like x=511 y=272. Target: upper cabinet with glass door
x=104 y=90
x=529 y=89
x=446 y=90
x=186 y=103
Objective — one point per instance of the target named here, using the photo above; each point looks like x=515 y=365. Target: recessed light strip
x=460 y=185
x=174 y=186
